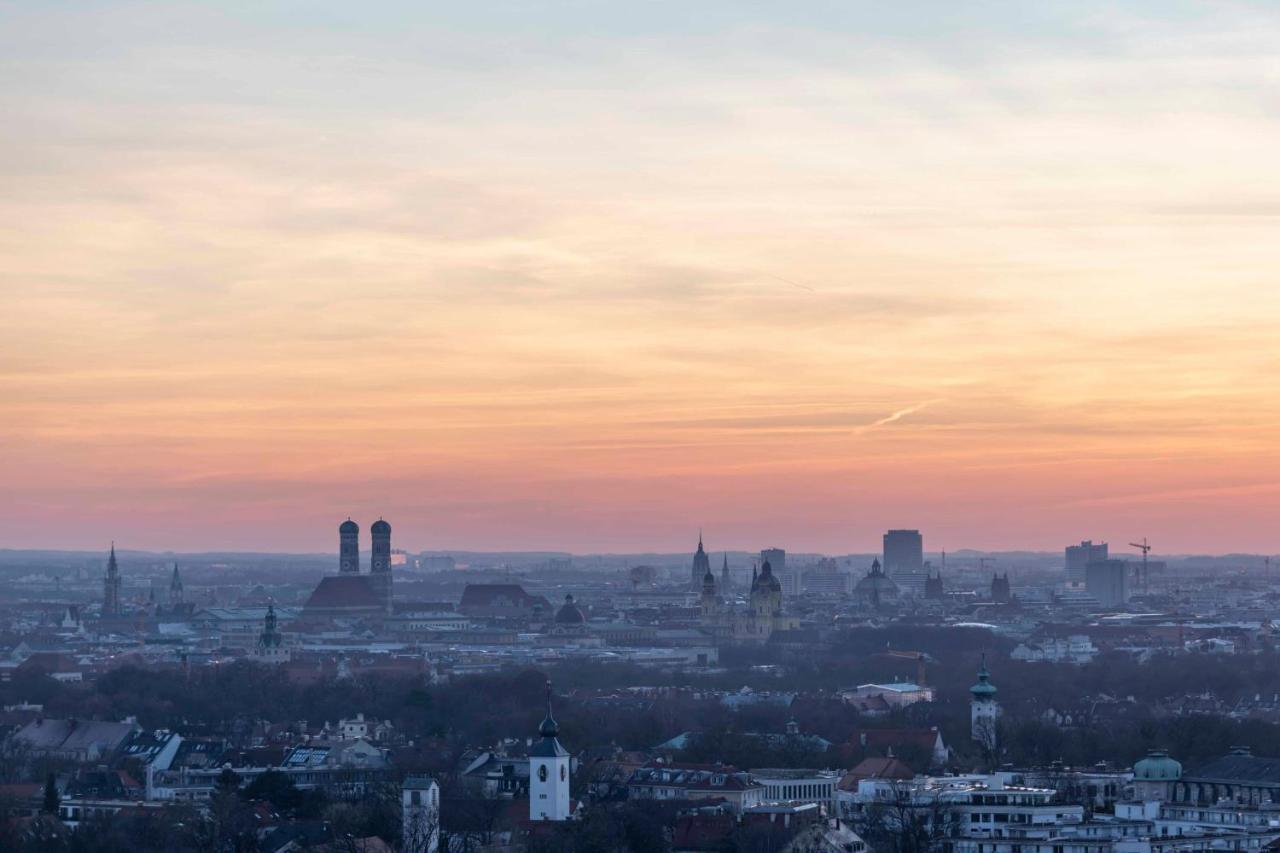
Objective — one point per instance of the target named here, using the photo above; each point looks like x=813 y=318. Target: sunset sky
x=591 y=275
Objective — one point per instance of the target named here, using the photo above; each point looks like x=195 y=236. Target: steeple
x=984 y=690
x=549 y=728
x=984 y=711
x=549 y=772
x=111 y=586
x=701 y=565
x=270 y=636
x=175 y=588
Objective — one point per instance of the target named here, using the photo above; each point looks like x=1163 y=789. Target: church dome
x=348 y=526
x=767 y=578
x=876 y=581
x=984 y=688
x=380 y=526
x=549 y=727
x=569 y=613
x=1157 y=767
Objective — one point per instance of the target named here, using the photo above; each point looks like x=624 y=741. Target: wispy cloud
x=630 y=257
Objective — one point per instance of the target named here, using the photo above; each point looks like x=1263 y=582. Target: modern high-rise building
x=1108 y=581
x=903 y=552
x=1080 y=556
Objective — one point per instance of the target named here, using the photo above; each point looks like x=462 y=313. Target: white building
x=1077 y=649
x=975 y=806
x=984 y=710
x=549 y=773
x=419 y=815
x=897 y=694
x=799 y=786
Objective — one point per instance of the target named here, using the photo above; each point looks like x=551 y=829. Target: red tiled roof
x=875 y=768
x=881 y=739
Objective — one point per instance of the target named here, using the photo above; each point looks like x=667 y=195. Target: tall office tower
x=1108 y=581
x=380 y=561
x=903 y=552
x=111 y=587
x=349 y=548
x=1080 y=556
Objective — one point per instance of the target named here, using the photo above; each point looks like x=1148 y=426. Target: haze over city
x=587 y=276
x=578 y=426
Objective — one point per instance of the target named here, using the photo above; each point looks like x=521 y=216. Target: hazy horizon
x=588 y=276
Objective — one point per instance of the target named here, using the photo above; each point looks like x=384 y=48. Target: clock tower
x=549 y=772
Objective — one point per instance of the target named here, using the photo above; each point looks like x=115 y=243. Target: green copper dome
x=1157 y=767
x=984 y=689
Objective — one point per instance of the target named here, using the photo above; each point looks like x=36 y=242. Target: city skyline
x=585 y=278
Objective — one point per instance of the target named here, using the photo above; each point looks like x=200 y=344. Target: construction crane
x=1144 y=548
x=919 y=657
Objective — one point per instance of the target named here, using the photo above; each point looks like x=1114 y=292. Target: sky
x=593 y=275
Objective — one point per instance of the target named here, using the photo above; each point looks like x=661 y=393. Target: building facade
x=1078 y=558
x=903 y=552
x=763 y=617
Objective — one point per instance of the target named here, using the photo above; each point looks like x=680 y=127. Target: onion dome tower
x=549 y=772
x=349 y=548
x=984 y=709
x=380 y=561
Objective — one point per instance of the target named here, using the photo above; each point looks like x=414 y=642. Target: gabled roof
x=72 y=735
x=876 y=768
x=498 y=595
x=345 y=592
x=924 y=739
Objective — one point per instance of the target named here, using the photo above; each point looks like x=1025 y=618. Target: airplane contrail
x=895 y=416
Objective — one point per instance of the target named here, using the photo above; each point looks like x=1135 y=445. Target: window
x=542 y=772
